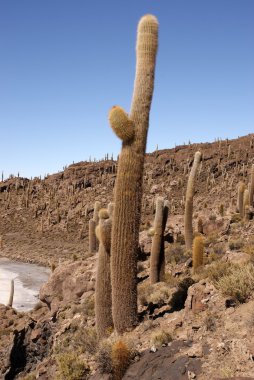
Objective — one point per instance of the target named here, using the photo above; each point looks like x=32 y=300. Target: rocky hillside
x=44 y=220
x=191 y=325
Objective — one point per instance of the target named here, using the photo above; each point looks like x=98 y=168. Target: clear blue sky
x=63 y=64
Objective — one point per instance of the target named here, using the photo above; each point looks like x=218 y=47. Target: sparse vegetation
x=235 y=244
x=238 y=284
x=71 y=367
x=160 y=337
x=175 y=254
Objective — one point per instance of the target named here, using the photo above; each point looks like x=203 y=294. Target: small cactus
x=246 y=204
x=10 y=302
x=251 y=190
x=121 y=356
x=103 y=302
x=200 y=226
x=197 y=252
x=188 y=229
x=241 y=189
x=93 y=241
x=157 y=259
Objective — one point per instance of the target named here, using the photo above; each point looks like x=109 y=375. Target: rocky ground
x=191 y=326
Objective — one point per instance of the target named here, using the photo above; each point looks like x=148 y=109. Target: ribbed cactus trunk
x=132 y=130
x=157 y=259
x=10 y=302
x=188 y=228
x=103 y=302
x=93 y=241
x=241 y=189
x=246 y=204
x=251 y=191
x=197 y=252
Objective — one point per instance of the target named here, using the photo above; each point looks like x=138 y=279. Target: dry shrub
x=238 y=284
x=89 y=307
x=249 y=248
x=160 y=337
x=30 y=376
x=175 y=254
x=235 y=244
x=211 y=239
x=236 y=218
x=71 y=367
x=217 y=270
x=103 y=357
x=86 y=340
x=157 y=294
x=219 y=249
x=210 y=321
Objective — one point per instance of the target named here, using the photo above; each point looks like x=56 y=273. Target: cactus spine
x=157 y=259
x=132 y=130
x=188 y=229
x=197 y=252
x=103 y=302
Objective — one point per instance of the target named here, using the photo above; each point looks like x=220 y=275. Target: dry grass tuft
x=71 y=367
x=160 y=337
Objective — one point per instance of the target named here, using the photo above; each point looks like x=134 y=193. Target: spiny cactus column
x=132 y=130
x=188 y=229
x=10 y=302
x=241 y=189
x=197 y=252
x=93 y=242
x=157 y=259
x=103 y=302
x=251 y=192
x=246 y=204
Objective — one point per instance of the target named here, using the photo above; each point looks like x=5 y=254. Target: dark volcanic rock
x=164 y=364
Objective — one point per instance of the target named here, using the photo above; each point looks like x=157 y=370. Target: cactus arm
x=121 y=124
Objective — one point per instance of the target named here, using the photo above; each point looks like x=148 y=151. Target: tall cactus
x=246 y=204
x=241 y=189
x=103 y=302
x=10 y=302
x=157 y=259
x=132 y=130
x=93 y=241
x=251 y=191
x=188 y=229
